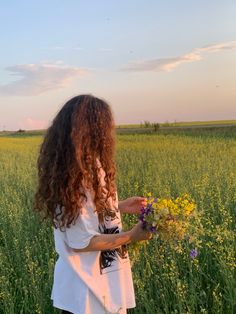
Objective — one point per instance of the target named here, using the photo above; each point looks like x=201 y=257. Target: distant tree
x=20 y=131
x=147 y=124
x=156 y=126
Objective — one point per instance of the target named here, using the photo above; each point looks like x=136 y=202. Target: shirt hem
x=131 y=307
x=63 y=307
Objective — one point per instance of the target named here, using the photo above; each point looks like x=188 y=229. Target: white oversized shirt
x=94 y=282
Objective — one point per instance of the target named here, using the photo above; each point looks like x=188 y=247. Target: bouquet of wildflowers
x=173 y=221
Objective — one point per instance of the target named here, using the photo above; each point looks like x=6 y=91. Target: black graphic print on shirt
x=108 y=258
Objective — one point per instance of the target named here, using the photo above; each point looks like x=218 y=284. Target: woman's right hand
x=138 y=233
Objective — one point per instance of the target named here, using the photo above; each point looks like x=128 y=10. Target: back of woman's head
x=81 y=133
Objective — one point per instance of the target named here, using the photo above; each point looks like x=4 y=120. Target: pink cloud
x=33 y=124
x=37 y=79
x=168 y=64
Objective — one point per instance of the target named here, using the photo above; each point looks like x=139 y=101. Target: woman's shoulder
x=87 y=205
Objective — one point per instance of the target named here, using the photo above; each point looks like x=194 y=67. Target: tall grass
x=165 y=281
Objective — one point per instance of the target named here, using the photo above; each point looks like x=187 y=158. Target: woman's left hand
x=132 y=205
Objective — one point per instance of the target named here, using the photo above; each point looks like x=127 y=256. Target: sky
x=151 y=60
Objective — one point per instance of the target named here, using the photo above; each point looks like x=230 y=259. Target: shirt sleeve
x=78 y=235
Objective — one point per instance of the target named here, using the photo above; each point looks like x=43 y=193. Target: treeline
x=150 y=125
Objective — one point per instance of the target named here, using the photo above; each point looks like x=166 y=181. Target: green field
x=140 y=128
x=182 y=124
x=198 y=161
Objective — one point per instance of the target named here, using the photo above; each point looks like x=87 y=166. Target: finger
x=150 y=236
x=141 y=198
x=143 y=204
x=140 y=223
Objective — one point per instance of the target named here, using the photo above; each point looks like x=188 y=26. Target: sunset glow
x=151 y=60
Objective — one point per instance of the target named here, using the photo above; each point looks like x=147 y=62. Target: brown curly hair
x=81 y=133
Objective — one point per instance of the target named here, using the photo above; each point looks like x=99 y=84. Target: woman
x=77 y=191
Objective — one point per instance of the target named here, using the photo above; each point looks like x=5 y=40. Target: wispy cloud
x=36 y=79
x=168 y=64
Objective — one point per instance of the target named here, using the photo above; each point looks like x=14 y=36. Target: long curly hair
x=81 y=134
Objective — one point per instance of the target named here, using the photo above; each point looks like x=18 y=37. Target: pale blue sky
x=151 y=60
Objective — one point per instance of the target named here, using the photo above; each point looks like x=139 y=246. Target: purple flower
x=149 y=208
x=193 y=253
x=143 y=210
x=152 y=229
x=141 y=217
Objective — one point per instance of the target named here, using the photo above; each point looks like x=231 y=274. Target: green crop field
x=199 y=162
x=181 y=124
